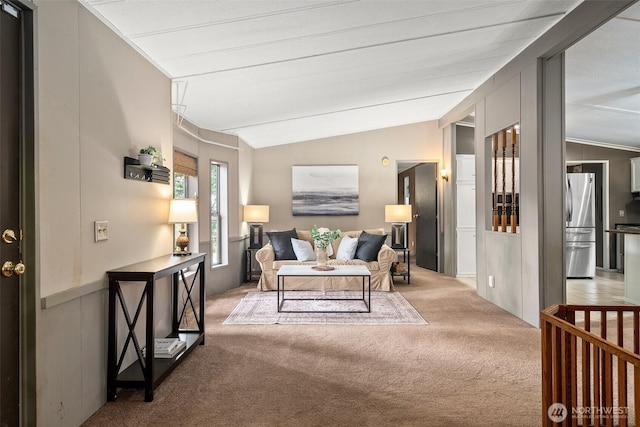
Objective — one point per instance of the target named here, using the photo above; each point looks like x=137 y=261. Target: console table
x=147 y=371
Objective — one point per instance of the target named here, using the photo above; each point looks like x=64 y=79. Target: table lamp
x=182 y=211
x=256 y=215
x=398 y=216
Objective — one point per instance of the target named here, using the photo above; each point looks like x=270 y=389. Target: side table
x=402 y=269
x=147 y=371
x=252 y=269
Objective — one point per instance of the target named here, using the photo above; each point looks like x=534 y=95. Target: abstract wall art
x=325 y=190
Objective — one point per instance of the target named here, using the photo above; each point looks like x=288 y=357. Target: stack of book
x=160 y=174
x=167 y=348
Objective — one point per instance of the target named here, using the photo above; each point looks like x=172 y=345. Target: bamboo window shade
x=185 y=164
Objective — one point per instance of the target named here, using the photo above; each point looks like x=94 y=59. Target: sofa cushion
x=281 y=242
x=369 y=245
x=303 y=250
x=347 y=248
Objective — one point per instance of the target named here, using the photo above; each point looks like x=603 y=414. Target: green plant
x=324 y=237
x=153 y=151
x=149 y=150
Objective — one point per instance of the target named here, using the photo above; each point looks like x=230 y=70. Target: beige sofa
x=380 y=276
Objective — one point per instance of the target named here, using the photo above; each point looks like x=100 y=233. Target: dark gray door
x=426 y=216
x=10 y=125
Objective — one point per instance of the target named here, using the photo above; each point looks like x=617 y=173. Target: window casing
x=219 y=218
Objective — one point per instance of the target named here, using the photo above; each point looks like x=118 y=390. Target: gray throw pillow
x=369 y=245
x=281 y=242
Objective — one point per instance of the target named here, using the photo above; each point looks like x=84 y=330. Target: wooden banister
x=586 y=372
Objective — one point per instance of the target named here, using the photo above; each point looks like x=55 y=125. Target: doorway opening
x=418 y=187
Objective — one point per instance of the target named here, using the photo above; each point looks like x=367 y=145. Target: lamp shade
x=397 y=213
x=256 y=213
x=183 y=211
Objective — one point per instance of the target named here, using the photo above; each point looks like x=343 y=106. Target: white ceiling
x=277 y=72
x=603 y=83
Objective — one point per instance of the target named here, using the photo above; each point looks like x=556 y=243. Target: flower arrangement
x=323 y=236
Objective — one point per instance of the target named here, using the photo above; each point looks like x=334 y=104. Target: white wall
x=99 y=101
x=377 y=183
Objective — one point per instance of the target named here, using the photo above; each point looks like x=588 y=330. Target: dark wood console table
x=147 y=371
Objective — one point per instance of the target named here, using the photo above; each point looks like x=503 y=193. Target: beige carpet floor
x=473 y=365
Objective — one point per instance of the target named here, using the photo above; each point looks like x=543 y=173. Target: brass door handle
x=9 y=268
x=9 y=236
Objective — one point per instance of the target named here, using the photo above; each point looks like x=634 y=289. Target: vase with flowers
x=323 y=238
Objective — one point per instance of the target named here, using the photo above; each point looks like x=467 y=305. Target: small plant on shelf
x=149 y=155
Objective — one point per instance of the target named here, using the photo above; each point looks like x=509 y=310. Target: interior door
x=426 y=215
x=10 y=256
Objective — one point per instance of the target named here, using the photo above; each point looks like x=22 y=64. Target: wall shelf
x=134 y=170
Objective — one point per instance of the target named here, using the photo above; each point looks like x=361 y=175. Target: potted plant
x=323 y=238
x=147 y=155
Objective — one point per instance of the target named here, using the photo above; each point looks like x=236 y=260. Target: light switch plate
x=101 y=230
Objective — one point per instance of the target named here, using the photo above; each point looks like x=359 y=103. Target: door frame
x=439 y=201
x=29 y=290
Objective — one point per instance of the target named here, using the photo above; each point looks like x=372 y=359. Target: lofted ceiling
x=602 y=88
x=277 y=72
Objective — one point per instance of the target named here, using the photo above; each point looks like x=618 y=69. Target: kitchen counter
x=624 y=231
x=631 y=263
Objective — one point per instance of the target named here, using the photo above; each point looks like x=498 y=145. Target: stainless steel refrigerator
x=581 y=226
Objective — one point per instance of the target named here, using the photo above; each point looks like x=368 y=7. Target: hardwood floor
x=607 y=288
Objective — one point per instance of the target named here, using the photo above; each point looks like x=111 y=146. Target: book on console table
x=166 y=348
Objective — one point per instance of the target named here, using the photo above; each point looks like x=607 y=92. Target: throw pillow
x=303 y=250
x=369 y=245
x=347 y=248
x=281 y=242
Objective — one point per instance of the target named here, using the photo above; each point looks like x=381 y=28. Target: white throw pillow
x=303 y=250
x=347 y=248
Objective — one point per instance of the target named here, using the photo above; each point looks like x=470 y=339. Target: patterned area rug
x=387 y=308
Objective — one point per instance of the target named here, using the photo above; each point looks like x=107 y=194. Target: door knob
x=9 y=236
x=9 y=268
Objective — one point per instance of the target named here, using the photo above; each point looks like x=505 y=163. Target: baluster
x=514 y=217
x=495 y=182
x=504 y=181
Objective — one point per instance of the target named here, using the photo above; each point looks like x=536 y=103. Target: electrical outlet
x=101 y=229
x=492 y=281
x=621 y=212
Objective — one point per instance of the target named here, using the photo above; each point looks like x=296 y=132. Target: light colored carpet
x=473 y=365
x=387 y=308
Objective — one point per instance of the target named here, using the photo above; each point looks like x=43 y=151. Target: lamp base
x=182 y=242
x=255 y=236
x=399 y=235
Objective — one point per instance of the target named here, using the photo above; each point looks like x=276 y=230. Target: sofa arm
x=265 y=257
x=386 y=257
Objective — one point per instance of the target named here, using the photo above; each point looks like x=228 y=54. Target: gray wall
x=620 y=197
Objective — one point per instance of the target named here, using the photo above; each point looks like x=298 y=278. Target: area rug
x=387 y=308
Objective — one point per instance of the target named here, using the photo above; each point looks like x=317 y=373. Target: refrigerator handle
x=569 y=201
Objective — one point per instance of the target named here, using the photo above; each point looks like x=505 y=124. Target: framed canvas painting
x=325 y=190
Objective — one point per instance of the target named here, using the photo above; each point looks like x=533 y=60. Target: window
x=185 y=185
x=218 y=213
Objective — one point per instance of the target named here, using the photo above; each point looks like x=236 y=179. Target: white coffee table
x=290 y=271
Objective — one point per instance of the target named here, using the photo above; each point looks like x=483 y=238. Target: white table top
x=340 y=270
